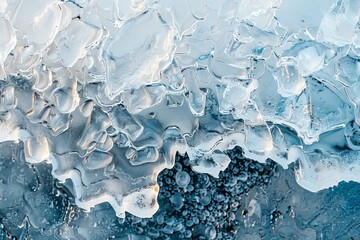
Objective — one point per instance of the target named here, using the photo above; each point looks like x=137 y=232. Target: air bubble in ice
x=182 y=179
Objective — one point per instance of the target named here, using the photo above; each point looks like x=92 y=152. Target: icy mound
x=107 y=92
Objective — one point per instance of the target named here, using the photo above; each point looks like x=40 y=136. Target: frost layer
x=108 y=92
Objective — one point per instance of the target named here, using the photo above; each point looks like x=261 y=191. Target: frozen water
x=109 y=93
x=182 y=179
x=339 y=25
x=137 y=53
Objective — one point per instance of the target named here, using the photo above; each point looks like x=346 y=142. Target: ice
x=197 y=98
x=349 y=70
x=137 y=57
x=110 y=93
x=142 y=203
x=43 y=79
x=227 y=10
x=98 y=160
x=325 y=169
x=352 y=131
x=310 y=60
x=3 y=6
x=36 y=149
x=147 y=155
x=65 y=100
x=258 y=138
x=39 y=21
x=75 y=40
x=295 y=15
x=144 y=97
x=210 y=232
x=126 y=123
x=7 y=40
x=259 y=12
x=182 y=179
x=183 y=15
x=289 y=79
x=9 y=131
x=339 y=24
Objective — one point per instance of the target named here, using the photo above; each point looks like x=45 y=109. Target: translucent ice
x=182 y=179
x=289 y=80
x=137 y=54
x=39 y=21
x=36 y=149
x=73 y=42
x=339 y=25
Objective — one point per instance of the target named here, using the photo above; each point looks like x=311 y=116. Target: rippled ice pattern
x=179 y=119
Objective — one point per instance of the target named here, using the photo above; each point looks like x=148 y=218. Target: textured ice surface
x=108 y=92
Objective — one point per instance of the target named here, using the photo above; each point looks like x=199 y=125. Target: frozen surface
x=107 y=93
